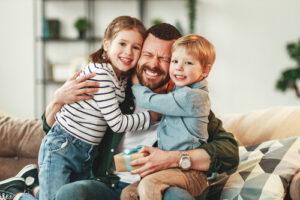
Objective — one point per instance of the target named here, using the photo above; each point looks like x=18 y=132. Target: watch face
x=186 y=163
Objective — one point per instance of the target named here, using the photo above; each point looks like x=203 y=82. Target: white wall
x=249 y=37
x=16 y=52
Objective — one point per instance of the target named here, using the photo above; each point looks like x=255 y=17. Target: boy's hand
x=134 y=79
x=155 y=116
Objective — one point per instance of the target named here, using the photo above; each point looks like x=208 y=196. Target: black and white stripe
x=88 y=120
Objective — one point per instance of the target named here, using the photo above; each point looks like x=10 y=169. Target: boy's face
x=153 y=66
x=185 y=69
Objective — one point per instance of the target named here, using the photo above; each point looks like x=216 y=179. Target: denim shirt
x=185 y=114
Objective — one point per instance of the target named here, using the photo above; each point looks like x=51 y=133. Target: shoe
x=12 y=186
x=30 y=174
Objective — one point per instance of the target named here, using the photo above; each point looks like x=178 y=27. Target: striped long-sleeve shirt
x=88 y=120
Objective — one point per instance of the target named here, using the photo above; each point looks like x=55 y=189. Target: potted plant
x=290 y=76
x=82 y=25
x=191 y=5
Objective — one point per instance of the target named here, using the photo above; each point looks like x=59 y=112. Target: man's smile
x=151 y=73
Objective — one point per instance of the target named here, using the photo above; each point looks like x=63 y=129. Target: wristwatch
x=185 y=161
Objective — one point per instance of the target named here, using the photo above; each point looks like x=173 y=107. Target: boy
x=185 y=117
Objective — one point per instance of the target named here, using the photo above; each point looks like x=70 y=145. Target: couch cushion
x=264 y=172
x=263 y=125
x=20 y=138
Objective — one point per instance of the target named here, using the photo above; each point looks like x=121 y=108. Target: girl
x=67 y=152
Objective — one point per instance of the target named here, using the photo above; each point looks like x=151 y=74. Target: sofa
x=20 y=141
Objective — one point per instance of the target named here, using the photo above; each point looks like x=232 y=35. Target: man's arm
x=70 y=92
x=218 y=155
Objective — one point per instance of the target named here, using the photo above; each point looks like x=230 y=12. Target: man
x=218 y=155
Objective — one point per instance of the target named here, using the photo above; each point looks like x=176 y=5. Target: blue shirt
x=185 y=113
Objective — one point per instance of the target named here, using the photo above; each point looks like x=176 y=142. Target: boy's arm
x=71 y=91
x=177 y=103
x=220 y=154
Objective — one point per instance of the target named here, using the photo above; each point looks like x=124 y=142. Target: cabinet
x=58 y=56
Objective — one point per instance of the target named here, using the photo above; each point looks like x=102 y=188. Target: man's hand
x=156 y=161
x=74 y=89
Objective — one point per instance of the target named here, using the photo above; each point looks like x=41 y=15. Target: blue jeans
x=96 y=190
x=63 y=159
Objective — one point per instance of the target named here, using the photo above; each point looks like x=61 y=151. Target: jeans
x=63 y=159
x=96 y=190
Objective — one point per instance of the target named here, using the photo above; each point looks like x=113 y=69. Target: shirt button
x=165 y=121
x=106 y=172
x=112 y=185
x=131 y=108
x=112 y=150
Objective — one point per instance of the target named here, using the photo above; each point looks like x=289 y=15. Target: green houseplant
x=191 y=6
x=289 y=77
x=82 y=25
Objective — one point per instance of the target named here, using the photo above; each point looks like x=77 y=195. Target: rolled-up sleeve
x=221 y=146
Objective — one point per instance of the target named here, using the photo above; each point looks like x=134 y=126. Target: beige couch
x=20 y=139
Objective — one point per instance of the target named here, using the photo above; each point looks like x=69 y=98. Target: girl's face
x=124 y=50
x=185 y=69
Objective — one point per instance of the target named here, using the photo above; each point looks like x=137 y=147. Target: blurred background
x=42 y=42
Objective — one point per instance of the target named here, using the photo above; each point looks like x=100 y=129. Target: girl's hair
x=197 y=46
x=118 y=24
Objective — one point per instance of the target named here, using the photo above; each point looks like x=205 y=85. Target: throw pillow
x=264 y=172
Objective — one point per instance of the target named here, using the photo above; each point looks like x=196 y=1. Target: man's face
x=153 y=65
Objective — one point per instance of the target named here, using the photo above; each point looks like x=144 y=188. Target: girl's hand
x=134 y=79
x=74 y=89
x=155 y=116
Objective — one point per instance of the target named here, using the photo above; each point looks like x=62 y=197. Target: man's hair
x=164 y=31
x=197 y=46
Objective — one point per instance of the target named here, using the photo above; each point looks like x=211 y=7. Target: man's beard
x=149 y=83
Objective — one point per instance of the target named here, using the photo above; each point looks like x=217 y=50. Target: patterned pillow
x=264 y=172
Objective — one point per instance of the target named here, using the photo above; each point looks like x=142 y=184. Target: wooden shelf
x=66 y=39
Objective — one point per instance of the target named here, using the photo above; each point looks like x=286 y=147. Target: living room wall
x=249 y=36
x=16 y=52
x=250 y=39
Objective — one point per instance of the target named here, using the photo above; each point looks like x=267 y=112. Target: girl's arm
x=109 y=106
